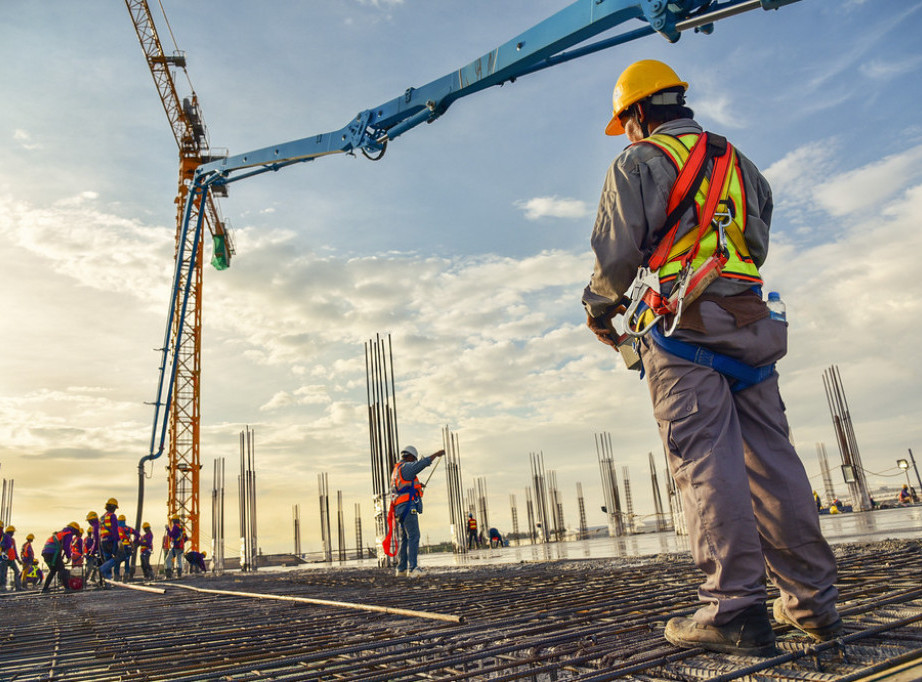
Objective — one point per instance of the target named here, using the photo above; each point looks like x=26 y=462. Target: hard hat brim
x=614 y=127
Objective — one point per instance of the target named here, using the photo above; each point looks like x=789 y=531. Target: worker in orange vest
x=473 y=537
x=9 y=558
x=407 y=505
x=56 y=551
x=27 y=557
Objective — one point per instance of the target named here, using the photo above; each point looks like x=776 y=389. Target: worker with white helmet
x=407 y=505
x=681 y=232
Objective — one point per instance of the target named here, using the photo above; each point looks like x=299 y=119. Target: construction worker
x=32 y=574
x=196 y=561
x=177 y=539
x=27 y=557
x=407 y=504
x=746 y=495
x=110 y=544
x=904 y=496
x=91 y=548
x=128 y=536
x=9 y=558
x=473 y=535
x=146 y=548
x=56 y=551
x=496 y=540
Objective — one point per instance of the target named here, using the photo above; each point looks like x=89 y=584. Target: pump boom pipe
x=540 y=47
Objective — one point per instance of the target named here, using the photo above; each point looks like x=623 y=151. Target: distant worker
x=196 y=561
x=496 y=540
x=27 y=557
x=127 y=536
x=178 y=539
x=709 y=364
x=904 y=496
x=56 y=551
x=91 y=548
x=110 y=544
x=473 y=536
x=817 y=501
x=407 y=505
x=9 y=559
x=145 y=549
x=32 y=575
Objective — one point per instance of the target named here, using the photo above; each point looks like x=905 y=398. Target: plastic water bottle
x=776 y=307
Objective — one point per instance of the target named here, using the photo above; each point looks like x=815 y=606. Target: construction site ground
x=588 y=620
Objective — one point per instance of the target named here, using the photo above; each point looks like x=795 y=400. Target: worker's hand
x=437 y=453
x=601 y=327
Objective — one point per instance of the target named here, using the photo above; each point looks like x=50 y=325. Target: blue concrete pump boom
x=540 y=47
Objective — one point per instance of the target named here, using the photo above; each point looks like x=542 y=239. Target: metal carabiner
x=720 y=226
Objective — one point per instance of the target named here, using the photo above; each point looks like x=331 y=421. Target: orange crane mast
x=191 y=136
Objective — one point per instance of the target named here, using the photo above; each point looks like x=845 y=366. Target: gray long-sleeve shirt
x=632 y=214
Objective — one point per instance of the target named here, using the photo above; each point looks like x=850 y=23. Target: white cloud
x=25 y=140
x=880 y=69
x=553 y=207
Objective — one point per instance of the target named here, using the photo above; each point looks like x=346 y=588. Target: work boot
x=416 y=573
x=748 y=634
x=821 y=634
x=401 y=574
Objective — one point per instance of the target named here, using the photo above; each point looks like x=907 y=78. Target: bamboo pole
x=327 y=602
x=140 y=588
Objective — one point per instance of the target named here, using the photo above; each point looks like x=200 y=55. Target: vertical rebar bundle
x=661 y=524
x=828 y=488
x=340 y=526
x=456 y=511
x=6 y=502
x=540 y=487
x=676 y=510
x=296 y=518
x=515 y=520
x=382 y=429
x=359 y=543
x=845 y=434
x=628 y=501
x=483 y=510
x=217 y=518
x=247 y=489
x=583 y=529
x=530 y=510
x=323 y=486
x=609 y=484
x=556 y=506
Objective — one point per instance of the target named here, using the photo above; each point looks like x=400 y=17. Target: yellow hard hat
x=112 y=500
x=204 y=553
x=175 y=517
x=637 y=82
x=30 y=537
x=75 y=526
x=92 y=516
x=121 y=517
x=145 y=525
x=11 y=529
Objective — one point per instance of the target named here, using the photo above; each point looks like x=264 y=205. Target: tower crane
x=185 y=339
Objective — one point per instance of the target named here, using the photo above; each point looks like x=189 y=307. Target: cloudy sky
x=468 y=244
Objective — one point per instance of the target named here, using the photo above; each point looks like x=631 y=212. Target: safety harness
x=648 y=305
x=402 y=491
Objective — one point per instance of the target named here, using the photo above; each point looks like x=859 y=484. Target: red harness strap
x=685 y=187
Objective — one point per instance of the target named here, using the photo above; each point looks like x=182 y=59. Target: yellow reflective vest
x=739 y=265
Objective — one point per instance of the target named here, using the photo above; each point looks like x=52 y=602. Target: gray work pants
x=748 y=502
